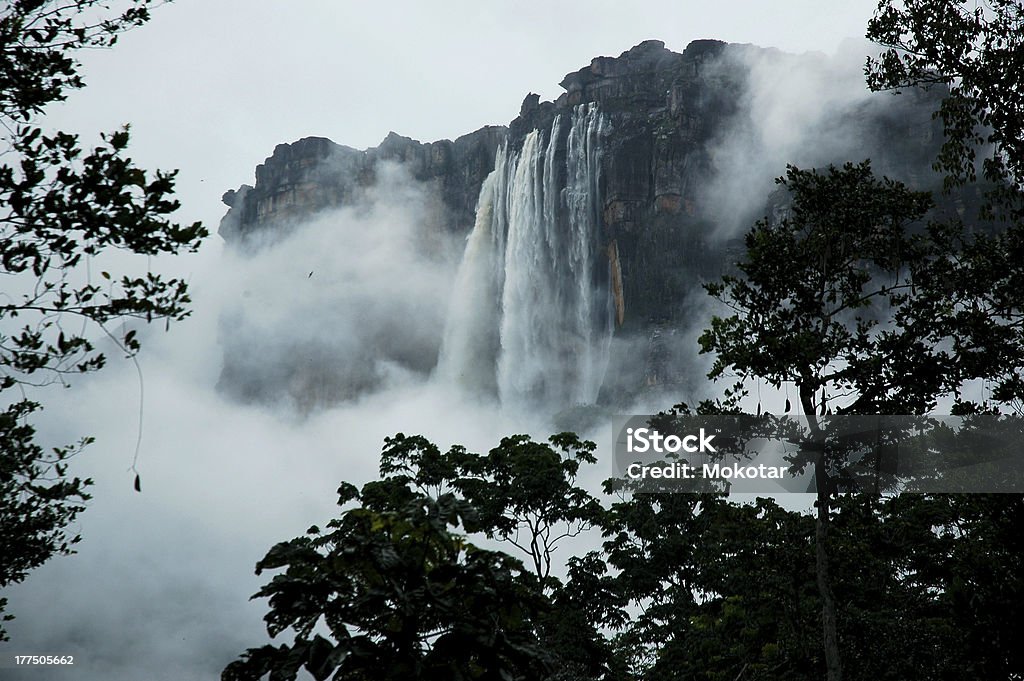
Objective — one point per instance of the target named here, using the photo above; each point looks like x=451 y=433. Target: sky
x=159 y=588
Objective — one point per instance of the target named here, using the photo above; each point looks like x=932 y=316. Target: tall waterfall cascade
x=531 y=315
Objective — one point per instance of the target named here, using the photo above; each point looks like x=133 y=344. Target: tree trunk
x=830 y=635
x=833 y=661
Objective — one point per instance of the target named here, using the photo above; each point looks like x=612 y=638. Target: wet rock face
x=669 y=209
x=691 y=145
x=313 y=174
x=670 y=115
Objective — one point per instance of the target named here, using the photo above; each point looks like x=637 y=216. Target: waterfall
x=470 y=345
x=530 y=316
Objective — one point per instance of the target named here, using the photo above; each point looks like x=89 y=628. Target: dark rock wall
x=314 y=174
x=667 y=113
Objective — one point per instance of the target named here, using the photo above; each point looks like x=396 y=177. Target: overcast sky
x=160 y=587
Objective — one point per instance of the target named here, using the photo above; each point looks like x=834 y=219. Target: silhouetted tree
x=976 y=50
x=822 y=300
x=406 y=595
x=60 y=206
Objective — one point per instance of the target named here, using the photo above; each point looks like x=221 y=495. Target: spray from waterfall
x=470 y=345
x=530 y=319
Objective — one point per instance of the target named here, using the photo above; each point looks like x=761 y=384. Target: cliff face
x=671 y=213
x=689 y=145
x=314 y=174
x=664 y=110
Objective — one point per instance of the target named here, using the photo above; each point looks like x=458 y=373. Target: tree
x=403 y=598
x=406 y=595
x=721 y=590
x=684 y=586
x=61 y=206
x=823 y=300
x=976 y=50
x=524 y=492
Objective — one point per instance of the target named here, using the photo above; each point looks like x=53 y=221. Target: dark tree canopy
x=977 y=51
x=406 y=594
x=61 y=206
x=399 y=586
x=822 y=298
x=682 y=587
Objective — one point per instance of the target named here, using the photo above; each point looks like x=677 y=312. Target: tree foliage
x=961 y=550
x=404 y=594
x=61 y=206
x=682 y=587
x=976 y=50
x=524 y=492
x=397 y=585
x=822 y=298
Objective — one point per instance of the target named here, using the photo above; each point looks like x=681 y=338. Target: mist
x=159 y=587
x=809 y=111
x=348 y=303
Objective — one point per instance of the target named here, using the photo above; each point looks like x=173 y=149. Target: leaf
x=138 y=483
x=788 y=407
